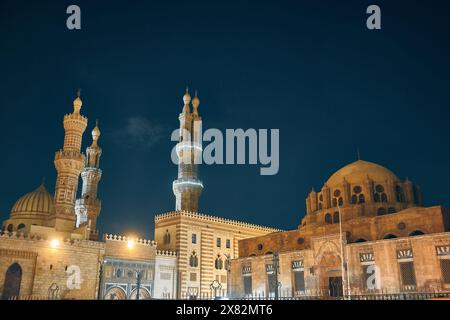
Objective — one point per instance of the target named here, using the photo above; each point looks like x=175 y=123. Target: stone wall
x=322 y=260
x=45 y=263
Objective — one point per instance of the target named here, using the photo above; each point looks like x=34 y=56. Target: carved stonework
x=405 y=254
x=443 y=250
x=17 y=254
x=246 y=270
x=366 y=257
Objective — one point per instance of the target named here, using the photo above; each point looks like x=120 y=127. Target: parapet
x=210 y=218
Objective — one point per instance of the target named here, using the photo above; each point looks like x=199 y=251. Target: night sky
x=310 y=68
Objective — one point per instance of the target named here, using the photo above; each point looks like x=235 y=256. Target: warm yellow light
x=130 y=243
x=54 y=243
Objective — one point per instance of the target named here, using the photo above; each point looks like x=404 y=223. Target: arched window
x=328 y=219
x=376 y=197
x=119 y=273
x=360 y=240
x=391 y=210
x=381 y=211
x=341 y=201
x=320 y=206
x=416 y=233
x=13 y=279
x=334 y=202
x=218 y=264
x=390 y=236
x=379 y=195
x=399 y=194
x=20 y=227
x=336 y=217
x=10 y=228
x=357 y=191
x=361 y=198
x=167 y=237
x=193 y=260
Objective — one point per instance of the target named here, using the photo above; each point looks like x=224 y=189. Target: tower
x=88 y=207
x=187 y=187
x=69 y=162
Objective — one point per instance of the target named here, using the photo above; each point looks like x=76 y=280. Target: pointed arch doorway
x=13 y=278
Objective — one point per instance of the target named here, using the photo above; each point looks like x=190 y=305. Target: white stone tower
x=188 y=188
x=69 y=162
x=88 y=207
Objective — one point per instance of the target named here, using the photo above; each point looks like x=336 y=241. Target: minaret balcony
x=69 y=155
x=188 y=146
x=187 y=183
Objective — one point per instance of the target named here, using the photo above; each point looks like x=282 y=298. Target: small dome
x=358 y=171
x=195 y=102
x=95 y=133
x=77 y=102
x=186 y=97
x=38 y=202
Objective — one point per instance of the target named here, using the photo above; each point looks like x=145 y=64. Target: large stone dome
x=358 y=171
x=37 y=203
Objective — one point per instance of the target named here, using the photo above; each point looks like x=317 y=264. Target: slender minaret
x=188 y=188
x=69 y=162
x=88 y=207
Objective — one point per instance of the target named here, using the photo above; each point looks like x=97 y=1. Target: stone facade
x=322 y=262
x=132 y=263
x=50 y=270
x=365 y=214
x=203 y=243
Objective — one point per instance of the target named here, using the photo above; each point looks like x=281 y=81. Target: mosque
x=365 y=231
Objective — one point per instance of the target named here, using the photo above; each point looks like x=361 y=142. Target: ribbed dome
x=38 y=202
x=358 y=171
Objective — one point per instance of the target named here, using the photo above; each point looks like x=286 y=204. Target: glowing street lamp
x=54 y=243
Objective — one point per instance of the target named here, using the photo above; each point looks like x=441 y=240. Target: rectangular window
x=365 y=276
x=408 y=275
x=194 y=238
x=271 y=283
x=193 y=276
x=445 y=268
x=228 y=244
x=299 y=281
x=248 y=285
x=218 y=242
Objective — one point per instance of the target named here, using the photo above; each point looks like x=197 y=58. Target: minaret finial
x=358 y=154
x=195 y=103
x=186 y=100
x=43 y=181
x=79 y=92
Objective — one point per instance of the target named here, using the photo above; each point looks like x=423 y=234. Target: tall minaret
x=69 y=162
x=88 y=207
x=188 y=188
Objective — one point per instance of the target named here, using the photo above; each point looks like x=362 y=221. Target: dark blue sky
x=309 y=68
